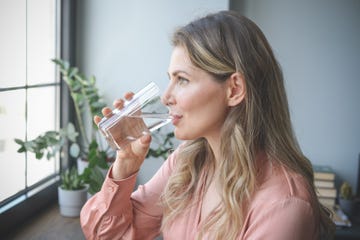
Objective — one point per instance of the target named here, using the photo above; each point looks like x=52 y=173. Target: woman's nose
x=166 y=97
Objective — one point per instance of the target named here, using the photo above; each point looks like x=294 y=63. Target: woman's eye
x=182 y=81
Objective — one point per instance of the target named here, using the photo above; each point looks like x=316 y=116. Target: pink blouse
x=280 y=210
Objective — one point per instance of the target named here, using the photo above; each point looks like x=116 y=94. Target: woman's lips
x=175 y=118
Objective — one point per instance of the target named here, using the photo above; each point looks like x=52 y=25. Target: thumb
x=141 y=146
x=146 y=139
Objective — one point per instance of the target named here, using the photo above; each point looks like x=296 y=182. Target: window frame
x=23 y=206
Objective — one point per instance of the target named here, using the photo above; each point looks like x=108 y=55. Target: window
x=29 y=93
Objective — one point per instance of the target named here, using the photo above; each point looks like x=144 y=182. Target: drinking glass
x=141 y=115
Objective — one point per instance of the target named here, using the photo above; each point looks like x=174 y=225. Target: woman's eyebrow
x=177 y=72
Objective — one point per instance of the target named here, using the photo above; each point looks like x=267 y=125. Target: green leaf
x=21 y=150
x=98 y=104
x=66 y=65
x=75 y=87
x=19 y=141
x=73 y=71
x=96 y=180
x=92 y=80
x=71 y=180
x=102 y=163
x=49 y=155
x=70 y=132
x=74 y=150
x=58 y=62
x=39 y=155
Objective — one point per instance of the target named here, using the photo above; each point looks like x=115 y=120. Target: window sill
x=49 y=224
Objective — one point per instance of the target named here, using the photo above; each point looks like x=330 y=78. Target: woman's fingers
x=106 y=111
x=130 y=158
x=129 y=95
x=97 y=119
x=118 y=103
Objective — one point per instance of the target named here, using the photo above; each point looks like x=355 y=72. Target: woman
x=239 y=174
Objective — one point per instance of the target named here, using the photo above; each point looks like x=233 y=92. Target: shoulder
x=277 y=183
x=281 y=187
x=282 y=199
x=289 y=218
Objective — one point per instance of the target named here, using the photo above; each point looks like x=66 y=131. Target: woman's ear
x=236 y=89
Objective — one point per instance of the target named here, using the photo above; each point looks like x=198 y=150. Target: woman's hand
x=129 y=159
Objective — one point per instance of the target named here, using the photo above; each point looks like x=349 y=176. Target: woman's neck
x=214 y=144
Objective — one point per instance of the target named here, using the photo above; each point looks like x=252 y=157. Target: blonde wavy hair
x=221 y=44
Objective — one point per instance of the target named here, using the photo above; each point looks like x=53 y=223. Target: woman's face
x=197 y=102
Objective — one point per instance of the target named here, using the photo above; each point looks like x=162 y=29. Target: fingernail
x=145 y=139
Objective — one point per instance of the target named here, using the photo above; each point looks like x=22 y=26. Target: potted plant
x=83 y=143
x=346 y=198
x=72 y=193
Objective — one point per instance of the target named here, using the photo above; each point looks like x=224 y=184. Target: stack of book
x=324 y=181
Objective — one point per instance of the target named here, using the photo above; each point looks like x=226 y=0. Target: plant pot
x=71 y=201
x=347 y=206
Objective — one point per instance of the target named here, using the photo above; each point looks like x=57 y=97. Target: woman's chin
x=183 y=137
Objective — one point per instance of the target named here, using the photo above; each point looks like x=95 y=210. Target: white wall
x=318 y=45
x=126 y=44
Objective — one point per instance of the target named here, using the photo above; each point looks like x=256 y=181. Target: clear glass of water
x=143 y=114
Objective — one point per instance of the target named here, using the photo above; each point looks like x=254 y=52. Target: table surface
x=347 y=233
